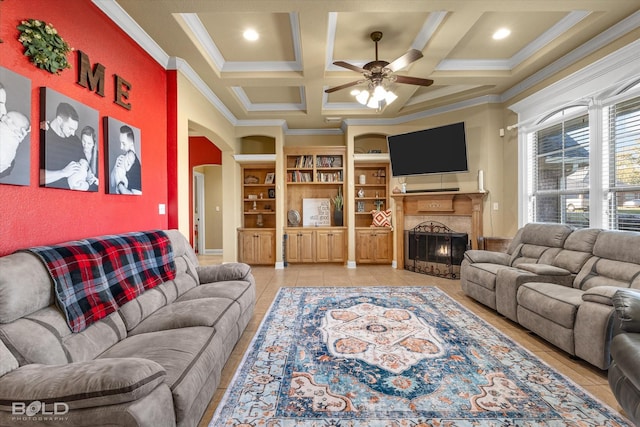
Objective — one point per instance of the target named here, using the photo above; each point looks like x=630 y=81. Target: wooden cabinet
x=330 y=245
x=257 y=236
x=316 y=245
x=371 y=193
x=299 y=246
x=256 y=246
x=374 y=246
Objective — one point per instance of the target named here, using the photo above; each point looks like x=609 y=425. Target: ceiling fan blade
x=414 y=81
x=344 y=86
x=406 y=59
x=349 y=66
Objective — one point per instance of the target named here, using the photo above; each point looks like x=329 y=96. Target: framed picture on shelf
x=272 y=193
x=269 y=178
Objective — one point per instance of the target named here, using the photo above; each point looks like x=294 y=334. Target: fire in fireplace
x=433 y=248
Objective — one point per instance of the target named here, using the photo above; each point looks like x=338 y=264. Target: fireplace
x=433 y=248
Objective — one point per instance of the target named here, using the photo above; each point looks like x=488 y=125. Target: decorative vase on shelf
x=337 y=218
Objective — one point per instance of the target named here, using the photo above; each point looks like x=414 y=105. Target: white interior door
x=198 y=213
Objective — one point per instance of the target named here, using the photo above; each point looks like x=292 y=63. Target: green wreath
x=44 y=46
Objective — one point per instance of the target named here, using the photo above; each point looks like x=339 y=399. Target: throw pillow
x=381 y=218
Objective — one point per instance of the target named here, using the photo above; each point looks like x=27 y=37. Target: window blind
x=623 y=165
x=560 y=172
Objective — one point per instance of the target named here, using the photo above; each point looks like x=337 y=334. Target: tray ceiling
x=283 y=75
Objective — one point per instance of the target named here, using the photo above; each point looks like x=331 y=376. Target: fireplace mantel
x=446 y=203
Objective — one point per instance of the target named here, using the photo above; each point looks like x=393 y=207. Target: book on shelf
x=329 y=176
x=305 y=162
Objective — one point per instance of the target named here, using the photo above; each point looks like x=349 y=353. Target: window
x=559 y=155
x=579 y=147
x=622 y=121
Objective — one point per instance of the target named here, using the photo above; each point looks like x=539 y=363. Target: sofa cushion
x=223 y=272
x=606 y=272
x=7 y=361
x=544 y=269
x=582 y=240
x=625 y=350
x=483 y=274
x=556 y=303
x=188 y=355
x=531 y=254
x=88 y=384
x=44 y=337
x=627 y=305
x=548 y=235
x=16 y=299
x=618 y=245
x=242 y=292
x=571 y=260
x=219 y=313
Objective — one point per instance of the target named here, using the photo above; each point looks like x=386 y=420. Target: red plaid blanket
x=93 y=277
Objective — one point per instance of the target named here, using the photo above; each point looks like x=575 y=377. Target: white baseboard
x=351 y=264
x=394 y=264
x=213 y=251
x=279 y=265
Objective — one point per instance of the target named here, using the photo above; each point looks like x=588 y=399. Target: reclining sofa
x=558 y=282
x=624 y=372
x=155 y=361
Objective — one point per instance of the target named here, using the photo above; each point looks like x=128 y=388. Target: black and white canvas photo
x=124 y=161
x=69 y=137
x=15 y=128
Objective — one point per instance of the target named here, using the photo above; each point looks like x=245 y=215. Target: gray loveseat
x=558 y=283
x=156 y=361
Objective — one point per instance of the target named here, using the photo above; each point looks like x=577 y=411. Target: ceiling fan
x=380 y=73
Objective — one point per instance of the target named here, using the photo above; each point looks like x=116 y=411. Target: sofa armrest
x=94 y=383
x=222 y=272
x=544 y=269
x=600 y=294
x=476 y=255
x=627 y=305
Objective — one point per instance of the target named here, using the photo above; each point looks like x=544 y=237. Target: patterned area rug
x=395 y=357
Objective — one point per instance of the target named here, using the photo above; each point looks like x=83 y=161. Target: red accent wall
x=33 y=215
x=201 y=152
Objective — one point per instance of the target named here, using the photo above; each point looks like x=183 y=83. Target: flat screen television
x=429 y=151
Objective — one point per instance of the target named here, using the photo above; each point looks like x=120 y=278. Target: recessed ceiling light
x=251 y=35
x=501 y=34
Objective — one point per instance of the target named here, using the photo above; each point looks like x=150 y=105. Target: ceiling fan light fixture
x=373 y=103
x=390 y=97
x=363 y=97
x=379 y=93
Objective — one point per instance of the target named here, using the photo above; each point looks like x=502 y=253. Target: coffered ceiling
x=284 y=74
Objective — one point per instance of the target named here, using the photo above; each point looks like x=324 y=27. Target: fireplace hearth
x=433 y=248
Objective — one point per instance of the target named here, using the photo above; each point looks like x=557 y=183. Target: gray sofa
x=624 y=372
x=156 y=361
x=558 y=283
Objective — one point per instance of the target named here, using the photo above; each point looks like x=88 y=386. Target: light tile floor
x=269 y=280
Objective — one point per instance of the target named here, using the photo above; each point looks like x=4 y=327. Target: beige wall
x=196 y=112
x=213 y=206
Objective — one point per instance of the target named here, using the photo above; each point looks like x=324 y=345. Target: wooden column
x=441 y=204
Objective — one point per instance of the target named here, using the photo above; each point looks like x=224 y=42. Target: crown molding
x=122 y=19
x=249 y=106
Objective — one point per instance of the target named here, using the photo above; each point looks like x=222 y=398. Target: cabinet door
x=337 y=246
x=265 y=247
x=363 y=246
x=382 y=247
x=329 y=245
x=300 y=246
x=247 y=247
